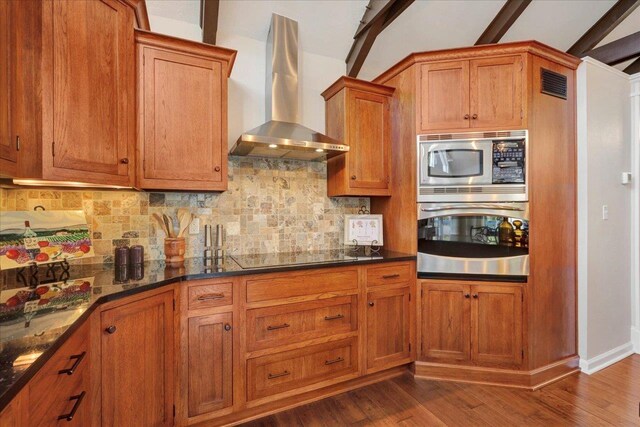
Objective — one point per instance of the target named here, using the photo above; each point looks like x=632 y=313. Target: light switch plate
x=194 y=227
x=605 y=212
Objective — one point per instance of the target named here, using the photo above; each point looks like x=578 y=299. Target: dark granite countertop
x=40 y=309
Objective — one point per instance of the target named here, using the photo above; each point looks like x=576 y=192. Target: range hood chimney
x=282 y=136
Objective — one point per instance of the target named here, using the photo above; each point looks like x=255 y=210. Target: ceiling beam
x=379 y=14
x=633 y=68
x=511 y=11
x=209 y=12
x=603 y=27
x=617 y=51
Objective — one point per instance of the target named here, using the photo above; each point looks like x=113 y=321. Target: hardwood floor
x=609 y=397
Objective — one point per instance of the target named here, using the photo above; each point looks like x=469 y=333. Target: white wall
x=635 y=150
x=176 y=28
x=604 y=246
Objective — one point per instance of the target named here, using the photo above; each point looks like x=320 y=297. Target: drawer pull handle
x=208 y=297
x=337 y=316
x=78 y=398
x=281 y=374
x=78 y=358
x=336 y=360
x=274 y=328
x=390 y=276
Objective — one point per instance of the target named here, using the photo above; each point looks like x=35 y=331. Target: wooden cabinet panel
x=370 y=137
x=389 y=274
x=182 y=120
x=298 y=285
x=210 y=351
x=358 y=115
x=496 y=92
x=446 y=322
x=204 y=294
x=137 y=342
x=388 y=327
x=281 y=372
x=89 y=125
x=16 y=413
x=444 y=94
x=291 y=323
x=63 y=384
x=8 y=153
x=497 y=324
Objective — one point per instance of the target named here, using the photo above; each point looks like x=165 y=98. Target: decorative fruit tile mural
x=270 y=206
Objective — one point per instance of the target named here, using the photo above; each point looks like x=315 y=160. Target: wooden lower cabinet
x=472 y=323
x=388 y=341
x=137 y=366
x=210 y=363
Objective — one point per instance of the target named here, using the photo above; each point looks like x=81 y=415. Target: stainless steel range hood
x=282 y=136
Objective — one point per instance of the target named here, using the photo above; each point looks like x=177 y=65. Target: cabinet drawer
x=291 y=323
x=270 y=375
x=296 y=285
x=204 y=294
x=389 y=274
x=59 y=386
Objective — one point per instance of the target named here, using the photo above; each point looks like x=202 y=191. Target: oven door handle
x=472 y=206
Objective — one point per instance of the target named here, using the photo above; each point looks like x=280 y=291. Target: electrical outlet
x=605 y=212
x=194 y=227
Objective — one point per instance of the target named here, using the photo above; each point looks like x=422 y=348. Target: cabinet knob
x=124 y=161
x=227 y=327
x=111 y=329
x=466 y=117
x=353 y=177
x=217 y=169
x=475 y=116
x=475 y=296
x=467 y=295
x=371 y=304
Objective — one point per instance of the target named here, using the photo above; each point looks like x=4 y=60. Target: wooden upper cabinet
x=485 y=93
x=182 y=106
x=8 y=149
x=137 y=368
x=446 y=322
x=388 y=328
x=210 y=351
x=88 y=91
x=496 y=334
x=496 y=92
x=358 y=115
x=444 y=91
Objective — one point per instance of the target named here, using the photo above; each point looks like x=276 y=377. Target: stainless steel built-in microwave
x=473 y=167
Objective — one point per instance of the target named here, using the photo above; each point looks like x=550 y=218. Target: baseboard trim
x=528 y=380
x=608 y=358
x=635 y=339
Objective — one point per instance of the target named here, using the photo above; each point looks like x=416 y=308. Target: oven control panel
x=509 y=162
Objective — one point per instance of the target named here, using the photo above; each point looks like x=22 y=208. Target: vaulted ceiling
x=327 y=27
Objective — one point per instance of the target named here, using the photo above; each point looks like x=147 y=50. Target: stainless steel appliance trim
x=432 y=210
x=509 y=266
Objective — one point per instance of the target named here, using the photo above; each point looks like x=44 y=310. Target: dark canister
x=136 y=254
x=122 y=256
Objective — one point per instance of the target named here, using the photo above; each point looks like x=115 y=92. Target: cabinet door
x=388 y=328
x=446 y=319
x=8 y=153
x=370 y=137
x=182 y=121
x=496 y=313
x=496 y=92
x=444 y=94
x=210 y=347
x=137 y=362
x=89 y=116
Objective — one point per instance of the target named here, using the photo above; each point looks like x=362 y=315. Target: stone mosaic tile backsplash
x=270 y=206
